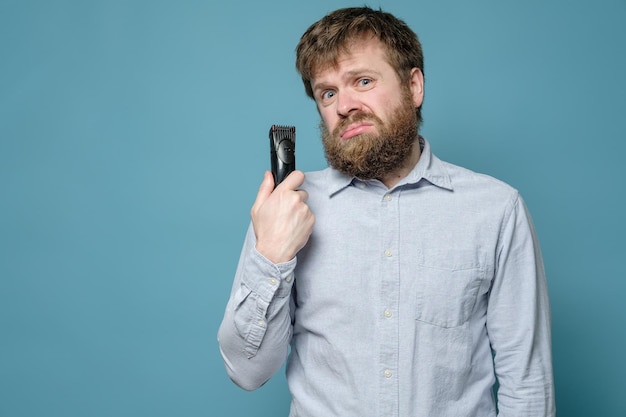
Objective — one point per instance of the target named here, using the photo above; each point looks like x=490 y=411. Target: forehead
x=364 y=53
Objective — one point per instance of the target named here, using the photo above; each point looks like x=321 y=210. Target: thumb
x=265 y=189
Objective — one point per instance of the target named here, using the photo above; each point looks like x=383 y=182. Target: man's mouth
x=355 y=129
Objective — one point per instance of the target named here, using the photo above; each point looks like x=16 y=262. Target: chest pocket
x=448 y=285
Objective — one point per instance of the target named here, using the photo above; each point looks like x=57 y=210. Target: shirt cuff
x=269 y=280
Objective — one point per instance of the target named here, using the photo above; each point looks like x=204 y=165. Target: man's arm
x=518 y=321
x=256 y=329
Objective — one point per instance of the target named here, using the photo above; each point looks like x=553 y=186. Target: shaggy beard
x=373 y=155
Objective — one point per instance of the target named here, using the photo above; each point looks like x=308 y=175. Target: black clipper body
x=282 y=151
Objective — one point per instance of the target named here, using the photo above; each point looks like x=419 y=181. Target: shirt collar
x=429 y=168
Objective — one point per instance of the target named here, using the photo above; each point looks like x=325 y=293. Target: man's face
x=368 y=116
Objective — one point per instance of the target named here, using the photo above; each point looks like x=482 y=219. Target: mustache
x=358 y=116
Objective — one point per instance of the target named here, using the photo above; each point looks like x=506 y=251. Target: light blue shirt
x=408 y=301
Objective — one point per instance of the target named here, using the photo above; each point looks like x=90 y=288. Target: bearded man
x=393 y=283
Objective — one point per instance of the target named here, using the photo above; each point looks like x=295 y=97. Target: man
x=403 y=285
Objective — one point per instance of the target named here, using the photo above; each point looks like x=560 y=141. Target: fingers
x=304 y=196
x=281 y=219
x=292 y=181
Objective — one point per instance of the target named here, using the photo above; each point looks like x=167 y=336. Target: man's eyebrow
x=348 y=75
x=357 y=72
x=321 y=86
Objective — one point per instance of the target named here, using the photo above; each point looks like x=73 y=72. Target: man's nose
x=347 y=102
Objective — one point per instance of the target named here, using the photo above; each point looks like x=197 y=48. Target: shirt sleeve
x=518 y=321
x=256 y=330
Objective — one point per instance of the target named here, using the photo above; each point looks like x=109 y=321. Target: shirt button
x=388 y=253
x=388 y=197
x=261 y=323
x=273 y=281
x=387 y=313
x=388 y=373
x=288 y=278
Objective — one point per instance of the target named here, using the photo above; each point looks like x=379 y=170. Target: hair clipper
x=282 y=151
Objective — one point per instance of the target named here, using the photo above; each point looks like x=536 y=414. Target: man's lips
x=355 y=129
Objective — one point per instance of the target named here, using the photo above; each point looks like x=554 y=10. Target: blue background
x=133 y=137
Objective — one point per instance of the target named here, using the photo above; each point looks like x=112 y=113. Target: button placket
x=389 y=299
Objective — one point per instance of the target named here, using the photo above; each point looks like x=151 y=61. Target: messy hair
x=324 y=41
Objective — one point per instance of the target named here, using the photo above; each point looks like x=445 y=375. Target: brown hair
x=323 y=42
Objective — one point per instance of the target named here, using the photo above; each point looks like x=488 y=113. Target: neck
x=390 y=180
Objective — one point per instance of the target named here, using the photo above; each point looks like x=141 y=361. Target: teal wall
x=133 y=137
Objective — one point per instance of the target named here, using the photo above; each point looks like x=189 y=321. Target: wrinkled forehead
x=329 y=60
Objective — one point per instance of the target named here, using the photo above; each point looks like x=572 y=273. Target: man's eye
x=364 y=82
x=328 y=94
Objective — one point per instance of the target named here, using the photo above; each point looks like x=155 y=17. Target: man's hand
x=281 y=219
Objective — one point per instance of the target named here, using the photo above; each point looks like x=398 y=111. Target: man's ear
x=416 y=84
